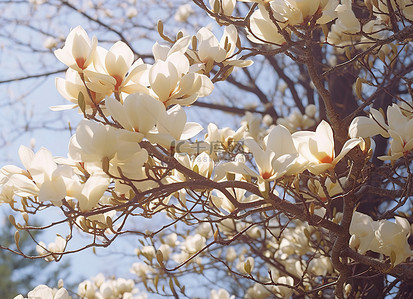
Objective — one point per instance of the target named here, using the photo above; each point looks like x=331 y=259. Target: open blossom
x=320 y=266
x=202 y=164
x=317 y=148
x=276 y=157
x=296 y=120
x=291 y=12
x=79 y=50
x=262 y=30
x=183 y=13
x=90 y=143
x=172 y=130
x=300 y=11
x=58 y=246
x=285 y=288
x=44 y=292
x=343 y=30
x=392 y=239
x=399 y=127
x=115 y=71
x=210 y=50
x=193 y=244
x=220 y=294
x=388 y=238
x=403 y=6
x=42 y=176
x=71 y=86
x=172 y=82
x=221 y=201
x=138 y=113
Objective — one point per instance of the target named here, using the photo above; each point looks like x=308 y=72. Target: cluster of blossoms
x=100 y=287
x=97 y=288
x=274 y=21
x=134 y=151
x=383 y=236
x=297 y=121
x=44 y=292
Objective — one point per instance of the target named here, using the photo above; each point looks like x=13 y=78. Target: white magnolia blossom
x=383 y=236
x=317 y=148
x=58 y=246
x=172 y=82
x=220 y=294
x=115 y=70
x=79 y=50
x=211 y=51
x=183 y=12
x=399 y=127
x=71 y=87
x=44 y=292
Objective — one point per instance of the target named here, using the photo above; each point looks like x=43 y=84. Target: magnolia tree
x=309 y=198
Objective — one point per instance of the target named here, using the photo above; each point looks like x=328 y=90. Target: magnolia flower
x=115 y=70
x=44 y=292
x=89 y=193
x=141 y=269
x=193 y=244
x=252 y=123
x=403 y=6
x=273 y=160
x=320 y=266
x=123 y=285
x=392 y=239
x=295 y=242
x=220 y=294
x=343 y=30
x=385 y=237
x=221 y=201
x=262 y=30
x=43 y=177
x=296 y=121
x=183 y=13
x=131 y=12
x=300 y=11
x=172 y=82
x=7 y=192
x=245 y=264
x=79 y=50
x=162 y=52
x=283 y=288
x=50 y=43
x=258 y=291
x=172 y=128
x=364 y=127
x=225 y=138
x=58 y=246
x=317 y=148
x=202 y=164
x=139 y=112
x=93 y=142
x=399 y=126
x=362 y=227
x=211 y=51
x=70 y=87
x=346 y=19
